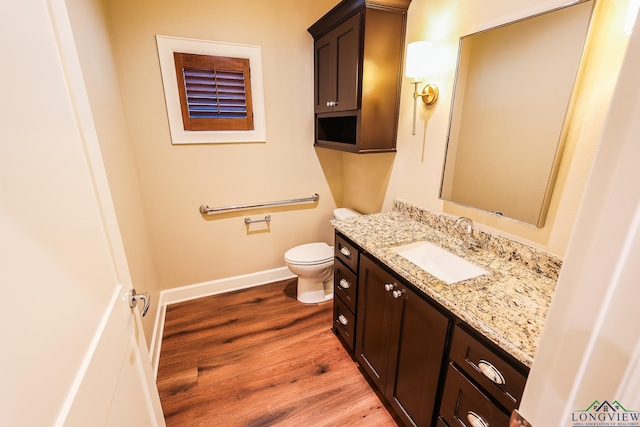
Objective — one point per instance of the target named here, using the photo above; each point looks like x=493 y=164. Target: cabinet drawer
x=346 y=283
x=347 y=253
x=465 y=405
x=441 y=423
x=493 y=373
x=344 y=322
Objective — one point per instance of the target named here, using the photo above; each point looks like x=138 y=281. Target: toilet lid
x=310 y=253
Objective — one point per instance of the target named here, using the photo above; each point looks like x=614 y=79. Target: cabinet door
x=373 y=320
x=416 y=355
x=464 y=405
x=325 y=73
x=337 y=58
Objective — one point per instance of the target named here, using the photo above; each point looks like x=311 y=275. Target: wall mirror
x=512 y=91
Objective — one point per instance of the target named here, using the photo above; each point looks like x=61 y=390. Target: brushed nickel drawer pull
x=344 y=284
x=343 y=320
x=345 y=251
x=476 y=420
x=491 y=372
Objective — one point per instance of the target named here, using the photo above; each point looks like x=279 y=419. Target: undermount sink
x=439 y=262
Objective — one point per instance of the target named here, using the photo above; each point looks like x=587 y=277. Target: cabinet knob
x=345 y=251
x=398 y=293
x=343 y=283
x=343 y=320
x=476 y=420
x=328 y=103
x=389 y=287
x=491 y=372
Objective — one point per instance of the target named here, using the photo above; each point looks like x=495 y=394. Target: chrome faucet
x=465 y=228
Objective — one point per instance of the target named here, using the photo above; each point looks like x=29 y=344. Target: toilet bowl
x=313 y=264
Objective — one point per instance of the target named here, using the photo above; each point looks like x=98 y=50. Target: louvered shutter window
x=215 y=92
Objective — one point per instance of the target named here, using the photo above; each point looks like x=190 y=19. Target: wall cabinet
x=400 y=343
x=359 y=47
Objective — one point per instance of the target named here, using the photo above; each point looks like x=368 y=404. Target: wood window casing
x=215 y=92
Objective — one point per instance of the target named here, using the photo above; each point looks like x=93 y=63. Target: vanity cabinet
x=359 y=47
x=433 y=368
x=345 y=289
x=482 y=387
x=400 y=342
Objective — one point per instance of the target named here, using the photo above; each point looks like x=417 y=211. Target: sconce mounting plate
x=429 y=94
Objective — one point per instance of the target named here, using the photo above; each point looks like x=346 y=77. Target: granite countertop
x=508 y=306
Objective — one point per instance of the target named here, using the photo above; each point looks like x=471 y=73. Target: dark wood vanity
x=359 y=44
x=432 y=367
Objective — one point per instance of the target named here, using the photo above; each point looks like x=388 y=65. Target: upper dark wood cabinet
x=359 y=49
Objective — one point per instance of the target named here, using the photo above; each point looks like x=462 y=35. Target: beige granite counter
x=509 y=305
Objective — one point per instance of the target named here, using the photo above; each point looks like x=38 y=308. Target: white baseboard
x=199 y=290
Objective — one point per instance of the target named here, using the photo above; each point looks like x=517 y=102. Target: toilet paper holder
x=248 y=220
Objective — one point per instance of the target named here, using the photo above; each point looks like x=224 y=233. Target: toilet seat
x=310 y=254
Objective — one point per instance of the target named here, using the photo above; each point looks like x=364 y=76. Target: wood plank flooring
x=258 y=357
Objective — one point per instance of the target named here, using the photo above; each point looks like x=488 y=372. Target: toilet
x=313 y=264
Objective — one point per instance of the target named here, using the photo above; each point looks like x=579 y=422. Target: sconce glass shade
x=417 y=59
x=416 y=67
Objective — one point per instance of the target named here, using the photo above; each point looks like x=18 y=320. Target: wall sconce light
x=416 y=67
x=632 y=13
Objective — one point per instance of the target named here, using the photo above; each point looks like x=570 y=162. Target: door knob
x=134 y=297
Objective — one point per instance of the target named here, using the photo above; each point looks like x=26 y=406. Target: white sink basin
x=439 y=262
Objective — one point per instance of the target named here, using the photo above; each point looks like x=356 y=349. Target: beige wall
x=176 y=179
x=416 y=171
x=182 y=248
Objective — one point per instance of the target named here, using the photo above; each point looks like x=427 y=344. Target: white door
x=590 y=346
x=73 y=352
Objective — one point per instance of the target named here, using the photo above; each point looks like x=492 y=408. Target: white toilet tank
x=342 y=213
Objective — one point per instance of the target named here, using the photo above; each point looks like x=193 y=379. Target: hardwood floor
x=258 y=357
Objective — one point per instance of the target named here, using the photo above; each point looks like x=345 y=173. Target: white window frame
x=167 y=45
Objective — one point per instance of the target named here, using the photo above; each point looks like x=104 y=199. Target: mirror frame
x=561 y=137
